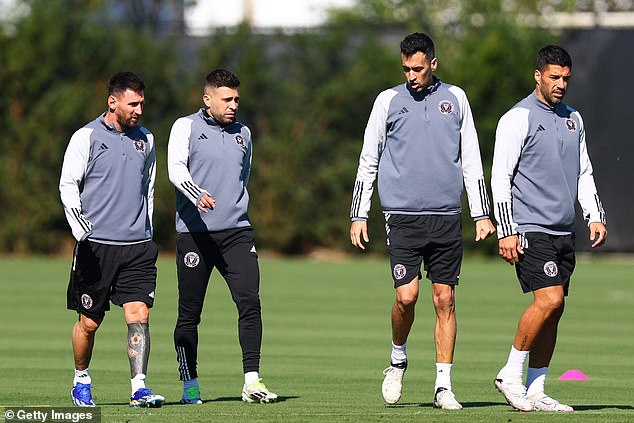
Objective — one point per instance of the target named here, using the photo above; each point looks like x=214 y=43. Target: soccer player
x=540 y=168
x=209 y=162
x=107 y=189
x=421 y=141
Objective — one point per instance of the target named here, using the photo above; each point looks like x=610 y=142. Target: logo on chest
x=445 y=107
x=240 y=141
x=139 y=145
x=571 y=125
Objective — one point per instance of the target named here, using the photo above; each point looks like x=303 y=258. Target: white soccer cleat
x=446 y=400
x=514 y=392
x=542 y=402
x=393 y=383
x=257 y=392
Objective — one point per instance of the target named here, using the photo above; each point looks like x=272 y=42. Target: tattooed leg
x=138 y=347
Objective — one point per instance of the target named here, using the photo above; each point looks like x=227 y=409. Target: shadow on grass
x=219 y=399
x=601 y=407
x=430 y=405
x=239 y=399
x=492 y=404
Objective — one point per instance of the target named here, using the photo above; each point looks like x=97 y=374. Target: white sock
x=189 y=383
x=137 y=382
x=515 y=364
x=535 y=378
x=82 y=376
x=399 y=353
x=443 y=376
x=251 y=377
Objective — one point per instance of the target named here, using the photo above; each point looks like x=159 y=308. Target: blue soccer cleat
x=81 y=395
x=144 y=397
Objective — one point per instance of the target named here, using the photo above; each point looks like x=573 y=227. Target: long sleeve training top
x=204 y=157
x=107 y=183
x=540 y=168
x=422 y=145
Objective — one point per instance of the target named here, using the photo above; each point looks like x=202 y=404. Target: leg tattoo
x=138 y=347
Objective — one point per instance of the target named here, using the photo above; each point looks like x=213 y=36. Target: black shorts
x=548 y=260
x=119 y=273
x=436 y=239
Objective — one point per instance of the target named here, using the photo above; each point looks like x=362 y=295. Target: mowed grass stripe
x=326 y=342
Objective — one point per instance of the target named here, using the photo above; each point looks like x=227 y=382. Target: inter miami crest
x=399 y=271
x=240 y=141
x=191 y=259
x=139 y=145
x=445 y=107
x=550 y=269
x=571 y=125
x=86 y=301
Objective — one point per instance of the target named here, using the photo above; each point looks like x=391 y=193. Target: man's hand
x=484 y=228
x=359 y=229
x=509 y=248
x=206 y=203
x=598 y=234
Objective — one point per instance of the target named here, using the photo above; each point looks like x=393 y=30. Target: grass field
x=326 y=342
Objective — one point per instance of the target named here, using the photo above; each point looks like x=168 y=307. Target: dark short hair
x=416 y=42
x=122 y=81
x=552 y=55
x=222 y=78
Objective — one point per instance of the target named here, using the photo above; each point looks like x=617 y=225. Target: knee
x=87 y=325
x=444 y=301
x=552 y=304
x=248 y=303
x=136 y=312
x=406 y=299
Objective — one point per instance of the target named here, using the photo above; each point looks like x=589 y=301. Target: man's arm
x=177 y=159
x=373 y=144
x=472 y=171
x=587 y=194
x=149 y=176
x=248 y=157
x=509 y=140
x=73 y=172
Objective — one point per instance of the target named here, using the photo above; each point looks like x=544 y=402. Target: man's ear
x=537 y=76
x=434 y=64
x=112 y=103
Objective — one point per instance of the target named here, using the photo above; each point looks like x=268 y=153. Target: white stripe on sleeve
x=177 y=159
x=73 y=172
x=509 y=141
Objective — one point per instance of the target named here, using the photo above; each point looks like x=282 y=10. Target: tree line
x=306 y=97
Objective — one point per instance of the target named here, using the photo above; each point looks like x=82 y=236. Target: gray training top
x=422 y=145
x=540 y=166
x=107 y=183
x=204 y=157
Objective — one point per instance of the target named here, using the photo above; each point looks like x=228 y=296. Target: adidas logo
x=403 y=111
x=540 y=128
x=103 y=146
x=203 y=137
x=253 y=250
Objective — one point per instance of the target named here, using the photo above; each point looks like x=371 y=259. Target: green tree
x=54 y=74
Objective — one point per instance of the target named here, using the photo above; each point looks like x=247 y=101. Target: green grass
x=326 y=341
